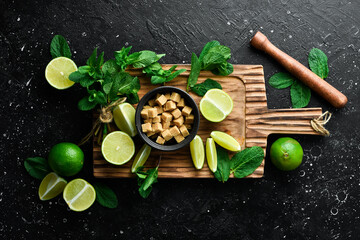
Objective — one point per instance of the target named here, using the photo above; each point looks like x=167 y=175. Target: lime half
x=124 y=117
x=79 y=195
x=57 y=72
x=226 y=141
x=211 y=155
x=51 y=186
x=197 y=152
x=118 y=148
x=216 y=105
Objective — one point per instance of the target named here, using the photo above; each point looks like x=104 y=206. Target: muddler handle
x=317 y=84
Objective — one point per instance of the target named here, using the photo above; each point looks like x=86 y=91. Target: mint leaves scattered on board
x=299 y=92
x=146 y=180
x=241 y=164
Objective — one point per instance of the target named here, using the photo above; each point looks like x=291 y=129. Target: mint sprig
x=146 y=180
x=299 y=92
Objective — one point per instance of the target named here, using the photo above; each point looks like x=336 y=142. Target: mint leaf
x=97 y=96
x=59 y=47
x=195 y=71
x=85 y=105
x=92 y=59
x=110 y=67
x=223 y=165
x=105 y=196
x=223 y=69
x=143 y=58
x=281 y=80
x=247 y=161
x=146 y=180
x=300 y=95
x=157 y=80
x=201 y=88
x=318 y=63
x=121 y=57
x=215 y=56
x=206 y=49
x=37 y=167
x=132 y=98
x=77 y=77
x=175 y=74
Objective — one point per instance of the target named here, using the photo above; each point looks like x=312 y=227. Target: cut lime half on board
x=216 y=105
x=79 y=195
x=118 y=148
x=57 y=72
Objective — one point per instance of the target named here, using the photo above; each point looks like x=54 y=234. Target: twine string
x=318 y=123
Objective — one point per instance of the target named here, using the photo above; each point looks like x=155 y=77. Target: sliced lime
x=226 y=141
x=57 y=72
x=197 y=152
x=79 y=195
x=141 y=157
x=118 y=148
x=124 y=117
x=216 y=105
x=51 y=186
x=211 y=155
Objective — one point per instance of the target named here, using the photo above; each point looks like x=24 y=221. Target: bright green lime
x=211 y=155
x=124 y=117
x=286 y=153
x=226 y=141
x=141 y=157
x=66 y=159
x=79 y=195
x=51 y=186
x=197 y=152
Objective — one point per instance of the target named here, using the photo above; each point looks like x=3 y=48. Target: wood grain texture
x=250 y=123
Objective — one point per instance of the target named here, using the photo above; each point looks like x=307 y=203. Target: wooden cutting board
x=250 y=123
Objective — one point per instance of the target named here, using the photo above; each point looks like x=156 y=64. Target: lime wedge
x=197 y=152
x=57 y=72
x=141 y=157
x=216 y=105
x=124 y=117
x=211 y=155
x=118 y=148
x=226 y=141
x=51 y=186
x=79 y=195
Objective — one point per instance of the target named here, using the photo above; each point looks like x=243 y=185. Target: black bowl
x=189 y=102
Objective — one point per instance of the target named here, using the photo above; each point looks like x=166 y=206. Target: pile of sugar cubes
x=167 y=117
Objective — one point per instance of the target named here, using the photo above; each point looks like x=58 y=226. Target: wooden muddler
x=320 y=86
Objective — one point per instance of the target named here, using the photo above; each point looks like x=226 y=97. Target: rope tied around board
x=318 y=123
x=105 y=117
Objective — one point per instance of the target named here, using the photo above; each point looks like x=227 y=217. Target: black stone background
x=319 y=200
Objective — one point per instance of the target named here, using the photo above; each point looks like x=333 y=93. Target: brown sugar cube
x=161 y=100
x=189 y=119
x=152 y=112
x=157 y=95
x=179 y=121
x=146 y=127
x=160 y=140
x=184 y=131
x=148 y=120
x=175 y=97
x=176 y=113
x=181 y=103
x=156 y=119
x=174 y=131
x=151 y=102
x=188 y=126
x=157 y=127
x=186 y=111
x=166 y=117
x=170 y=105
x=149 y=134
x=167 y=95
x=146 y=107
x=166 y=125
x=144 y=114
x=179 y=138
x=159 y=109
x=166 y=135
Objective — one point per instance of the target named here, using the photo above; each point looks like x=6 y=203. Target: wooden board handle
x=321 y=87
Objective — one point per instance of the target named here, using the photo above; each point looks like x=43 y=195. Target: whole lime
x=66 y=159
x=286 y=153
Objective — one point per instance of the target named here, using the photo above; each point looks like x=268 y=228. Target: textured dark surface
x=319 y=200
